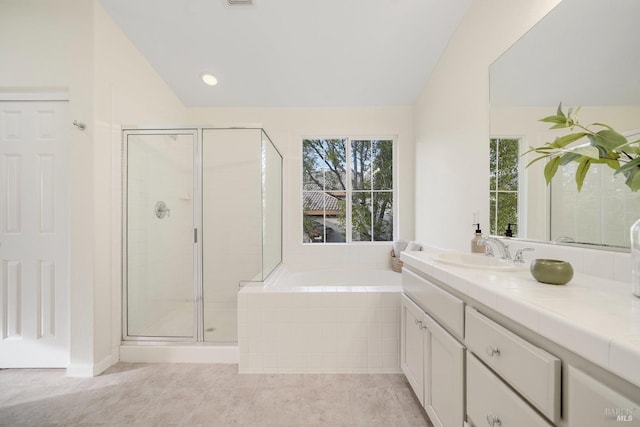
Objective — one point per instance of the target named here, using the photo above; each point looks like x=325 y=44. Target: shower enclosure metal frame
x=198 y=289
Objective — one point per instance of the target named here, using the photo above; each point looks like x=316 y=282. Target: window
x=347 y=190
x=504 y=154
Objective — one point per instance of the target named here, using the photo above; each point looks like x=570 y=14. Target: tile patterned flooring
x=145 y=394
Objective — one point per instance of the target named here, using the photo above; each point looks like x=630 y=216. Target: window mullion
x=497 y=209
x=323 y=196
x=371 y=186
x=348 y=192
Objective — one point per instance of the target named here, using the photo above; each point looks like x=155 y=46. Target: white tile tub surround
x=283 y=328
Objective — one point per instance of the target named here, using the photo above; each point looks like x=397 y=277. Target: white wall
x=127 y=90
x=73 y=45
x=287 y=127
x=452 y=121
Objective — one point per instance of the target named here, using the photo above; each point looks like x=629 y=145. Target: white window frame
x=349 y=191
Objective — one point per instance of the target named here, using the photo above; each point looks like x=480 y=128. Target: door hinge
x=195 y=235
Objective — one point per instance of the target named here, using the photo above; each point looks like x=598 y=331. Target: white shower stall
x=202 y=217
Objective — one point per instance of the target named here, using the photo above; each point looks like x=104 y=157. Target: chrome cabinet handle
x=493 y=420
x=423 y=326
x=492 y=351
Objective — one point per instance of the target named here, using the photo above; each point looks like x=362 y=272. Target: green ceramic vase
x=551 y=271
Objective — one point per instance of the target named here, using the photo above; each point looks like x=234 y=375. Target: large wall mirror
x=583 y=53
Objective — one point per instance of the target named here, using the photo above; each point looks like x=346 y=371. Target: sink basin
x=479 y=261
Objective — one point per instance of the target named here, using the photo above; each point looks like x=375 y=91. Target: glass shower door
x=160 y=267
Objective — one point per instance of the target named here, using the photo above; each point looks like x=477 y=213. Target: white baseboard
x=87 y=370
x=81 y=370
x=179 y=354
x=102 y=365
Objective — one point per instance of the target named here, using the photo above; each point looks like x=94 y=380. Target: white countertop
x=598 y=319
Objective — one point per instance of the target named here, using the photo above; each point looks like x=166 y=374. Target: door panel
x=445 y=380
x=160 y=236
x=412 y=346
x=231 y=225
x=34 y=234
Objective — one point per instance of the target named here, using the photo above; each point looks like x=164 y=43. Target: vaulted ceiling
x=291 y=53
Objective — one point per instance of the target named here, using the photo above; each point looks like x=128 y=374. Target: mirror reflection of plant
x=604 y=146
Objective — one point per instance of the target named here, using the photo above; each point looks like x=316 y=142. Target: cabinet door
x=411 y=345
x=444 y=377
x=593 y=404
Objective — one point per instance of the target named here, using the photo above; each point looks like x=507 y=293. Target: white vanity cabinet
x=474 y=361
x=593 y=404
x=432 y=358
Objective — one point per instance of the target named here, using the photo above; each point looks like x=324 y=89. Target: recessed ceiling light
x=209 y=79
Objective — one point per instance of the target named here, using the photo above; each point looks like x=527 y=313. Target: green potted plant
x=587 y=145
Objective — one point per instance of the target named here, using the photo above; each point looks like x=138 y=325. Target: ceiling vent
x=240 y=2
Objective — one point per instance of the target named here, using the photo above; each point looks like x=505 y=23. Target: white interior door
x=34 y=234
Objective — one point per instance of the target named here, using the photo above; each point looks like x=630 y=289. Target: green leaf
x=581 y=171
x=559 y=111
x=629 y=166
x=551 y=168
x=587 y=151
x=608 y=139
x=604 y=125
x=633 y=179
x=536 y=159
x=543 y=149
x=613 y=164
x=565 y=140
x=629 y=146
x=554 y=119
x=575 y=113
x=567 y=158
x=562 y=125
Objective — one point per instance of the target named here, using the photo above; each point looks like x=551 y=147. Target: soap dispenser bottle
x=476 y=246
x=508 y=232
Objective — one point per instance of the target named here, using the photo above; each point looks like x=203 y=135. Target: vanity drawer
x=437 y=302
x=490 y=401
x=533 y=372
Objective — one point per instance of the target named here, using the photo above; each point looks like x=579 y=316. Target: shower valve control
x=161 y=209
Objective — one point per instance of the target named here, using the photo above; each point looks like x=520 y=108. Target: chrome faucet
x=518 y=258
x=502 y=247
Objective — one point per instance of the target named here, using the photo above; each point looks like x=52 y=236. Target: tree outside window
x=504 y=154
x=347 y=190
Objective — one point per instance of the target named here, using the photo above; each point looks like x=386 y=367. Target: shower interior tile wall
x=319 y=332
